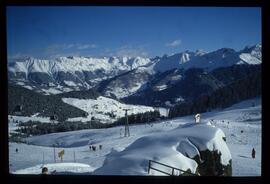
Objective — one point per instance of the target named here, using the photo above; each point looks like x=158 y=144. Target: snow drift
x=59 y=168
x=186 y=147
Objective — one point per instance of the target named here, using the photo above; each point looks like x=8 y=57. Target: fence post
x=149 y=166
x=43 y=157
x=54 y=153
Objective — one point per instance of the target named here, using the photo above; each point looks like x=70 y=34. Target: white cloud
x=66 y=49
x=127 y=51
x=67 y=46
x=19 y=55
x=78 y=46
x=53 y=56
x=85 y=46
x=56 y=50
x=174 y=43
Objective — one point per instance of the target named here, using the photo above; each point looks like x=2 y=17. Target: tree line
x=232 y=93
x=37 y=128
x=140 y=118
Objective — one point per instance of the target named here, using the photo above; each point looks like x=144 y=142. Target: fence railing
x=173 y=169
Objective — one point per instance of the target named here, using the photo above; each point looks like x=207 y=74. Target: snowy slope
x=102 y=106
x=131 y=83
x=244 y=116
x=78 y=141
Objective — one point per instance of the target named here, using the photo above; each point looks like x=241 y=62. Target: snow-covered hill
x=241 y=124
x=103 y=109
x=106 y=109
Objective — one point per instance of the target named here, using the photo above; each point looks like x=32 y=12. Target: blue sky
x=45 y=32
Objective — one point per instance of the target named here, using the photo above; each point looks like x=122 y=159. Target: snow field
x=244 y=117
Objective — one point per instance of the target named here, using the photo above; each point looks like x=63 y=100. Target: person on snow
x=253 y=153
x=44 y=170
x=197 y=118
x=16 y=150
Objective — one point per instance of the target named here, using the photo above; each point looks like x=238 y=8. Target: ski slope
x=244 y=117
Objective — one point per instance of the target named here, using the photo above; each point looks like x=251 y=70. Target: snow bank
x=58 y=167
x=175 y=148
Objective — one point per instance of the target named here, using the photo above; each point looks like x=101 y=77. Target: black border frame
x=4 y=162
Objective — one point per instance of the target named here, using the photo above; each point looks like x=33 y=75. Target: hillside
x=33 y=103
x=107 y=110
x=177 y=86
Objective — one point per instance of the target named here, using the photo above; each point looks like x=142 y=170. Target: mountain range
x=125 y=78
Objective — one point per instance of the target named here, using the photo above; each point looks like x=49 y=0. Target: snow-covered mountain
x=126 y=75
x=128 y=83
x=74 y=64
x=223 y=57
x=170 y=69
x=72 y=73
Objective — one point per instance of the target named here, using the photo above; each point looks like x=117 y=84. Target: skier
x=253 y=153
x=197 y=118
x=100 y=147
x=16 y=150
